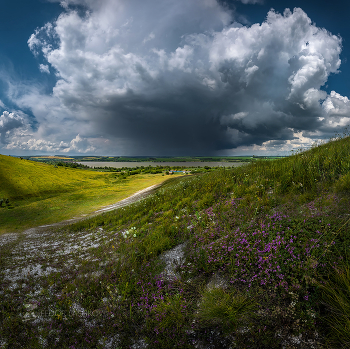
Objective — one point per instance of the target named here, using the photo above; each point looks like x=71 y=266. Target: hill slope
x=251 y=257
x=43 y=194
x=24 y=178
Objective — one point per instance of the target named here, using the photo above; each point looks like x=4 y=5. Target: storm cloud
x=12 y=124
x=182 y=77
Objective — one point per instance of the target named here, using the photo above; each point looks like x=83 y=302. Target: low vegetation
x=260 y=260
x=33 y=194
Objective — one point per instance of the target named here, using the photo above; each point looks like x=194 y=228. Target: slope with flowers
x=261 y=257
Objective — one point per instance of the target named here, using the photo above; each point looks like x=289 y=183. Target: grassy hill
x=22 y=178
x=39 y=193
x=264 y=264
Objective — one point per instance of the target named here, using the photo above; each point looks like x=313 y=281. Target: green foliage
x=67 y=164
x=343 y=184
x=21 y=179
x=155 y=243
x=336 y=296
x=5 y=203
x=40 y=193
x=168 y=320
x=230 y=309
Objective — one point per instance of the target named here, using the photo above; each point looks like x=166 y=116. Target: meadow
x=33 y=194
x=250 y=257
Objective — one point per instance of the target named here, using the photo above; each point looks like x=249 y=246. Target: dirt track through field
x=131 y=199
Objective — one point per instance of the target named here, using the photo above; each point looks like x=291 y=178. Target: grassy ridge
x=265 y=264
x=22 y=178
x=43 y=194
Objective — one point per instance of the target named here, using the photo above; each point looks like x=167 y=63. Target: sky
x=172 y=77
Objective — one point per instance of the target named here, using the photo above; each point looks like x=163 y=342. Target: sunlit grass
x=42 y=194
x=53 y=208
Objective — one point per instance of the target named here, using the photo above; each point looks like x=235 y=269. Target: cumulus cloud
x=12 y=124
x=189 y=81
x=29 y=143
x=80 y=145
x=335 y=104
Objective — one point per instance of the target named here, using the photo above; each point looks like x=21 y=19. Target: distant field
x=185 y=165
x=171 y=159
x=51 y=158
x=42 y=194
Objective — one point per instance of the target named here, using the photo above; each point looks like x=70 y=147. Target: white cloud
x=80 y=145
x=64 y=4
x=37 y=41
x=250 y=72
x=76 y=145
x=44 y=68
x=181 y=59
x=151 y=36
x=182 y=74
x=12 y=125
x=33 y=41
x=335 y=104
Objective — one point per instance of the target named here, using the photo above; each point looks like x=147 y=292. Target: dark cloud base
x=184 y=78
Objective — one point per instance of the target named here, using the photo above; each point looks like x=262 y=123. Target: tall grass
x=273 y=232
x=230 y=310
x=336 y=298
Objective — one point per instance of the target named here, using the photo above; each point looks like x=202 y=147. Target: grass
x=263 y=265
x=228 y=309
x=43 y=194
x=336 y=296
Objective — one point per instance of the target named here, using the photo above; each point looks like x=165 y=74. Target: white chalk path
x=141 y=194
x=129 y=200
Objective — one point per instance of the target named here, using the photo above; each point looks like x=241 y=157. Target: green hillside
x=270 y=233
x=261 y=260
x=33 y=193
x=22 y=178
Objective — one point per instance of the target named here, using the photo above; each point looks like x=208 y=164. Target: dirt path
x=131 y=199
x=31 y=258
x=127 y=201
